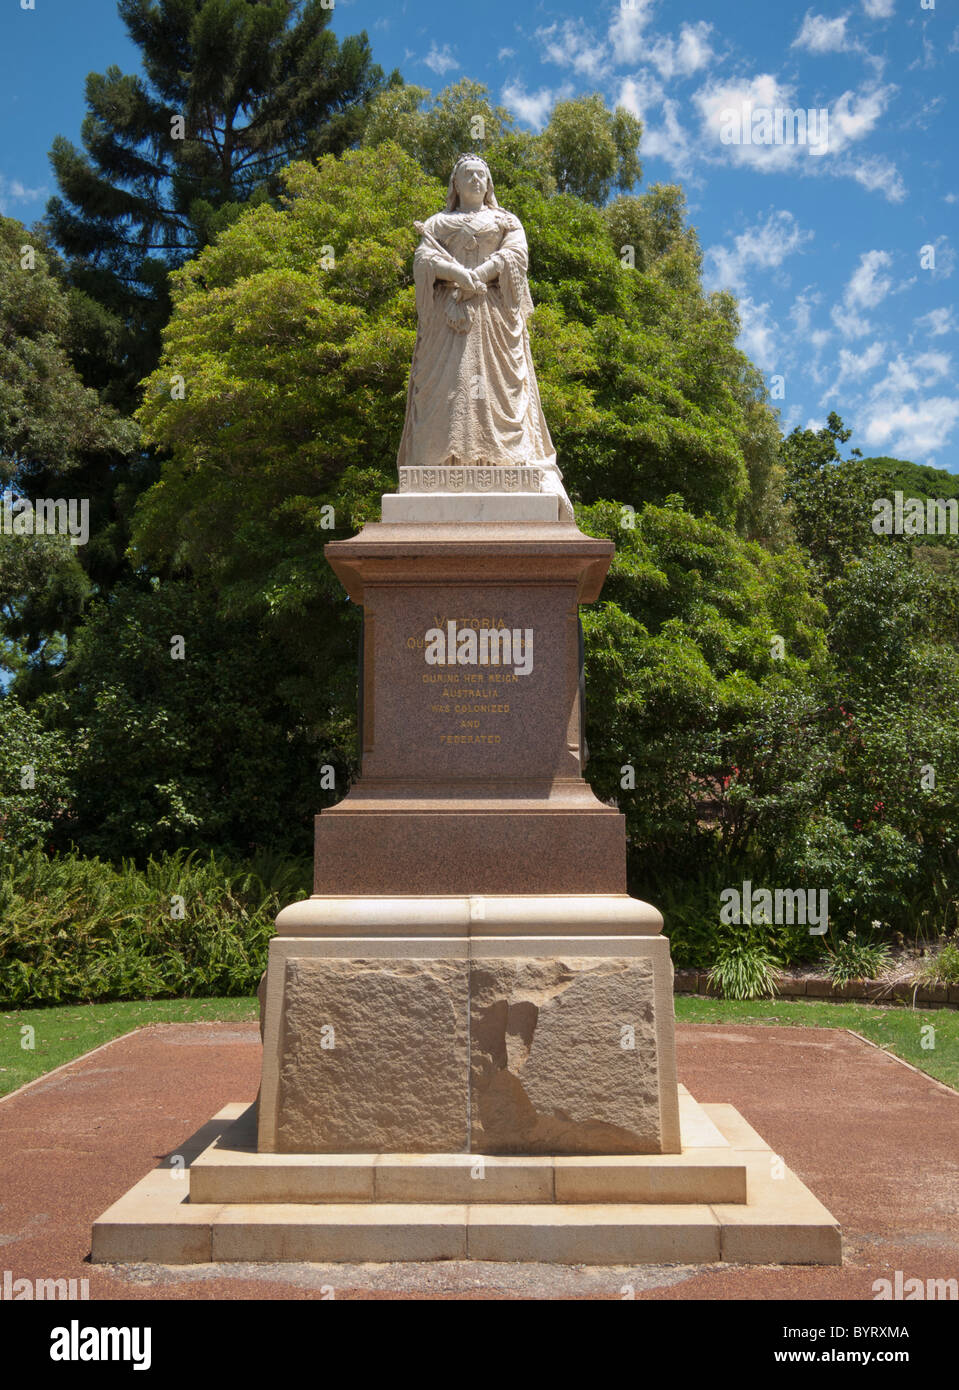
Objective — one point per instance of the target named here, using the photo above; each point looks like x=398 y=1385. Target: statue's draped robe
x=472 y=395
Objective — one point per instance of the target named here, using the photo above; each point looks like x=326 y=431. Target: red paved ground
x=876 y=1142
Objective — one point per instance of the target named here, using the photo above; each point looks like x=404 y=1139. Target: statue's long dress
x=472 y=395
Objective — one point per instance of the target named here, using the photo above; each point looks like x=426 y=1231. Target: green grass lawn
x=61 y=1034
x=899 y=1030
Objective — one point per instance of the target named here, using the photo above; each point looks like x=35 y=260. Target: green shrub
x=744 y=968
x=853 y=959
x=77 y=930
x=35 y=778
x=942 y=968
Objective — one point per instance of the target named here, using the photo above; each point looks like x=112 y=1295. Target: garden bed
x=806 y=983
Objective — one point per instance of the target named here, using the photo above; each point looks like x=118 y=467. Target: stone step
x=784 y=1226
x=705 y=1175
x=231 y=1170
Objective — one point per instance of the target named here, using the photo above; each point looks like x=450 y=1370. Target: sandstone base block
x=564 y=1056
x=532 y=1044
x=346 y=1069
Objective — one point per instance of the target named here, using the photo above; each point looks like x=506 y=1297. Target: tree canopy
x=230 y=92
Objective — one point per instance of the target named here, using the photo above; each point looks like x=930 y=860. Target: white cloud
x=937 y=322
x=867 y=287
x=879 y=9
x=670 y=141
x=821 y=35
x=506 y=53
x=801 y=311
x=533 y=107
x=849 y=323
x=852 y=366
x=820 y=338
x=759 y=337
x=682 y=59
x=933 y=364
x=876 y=173
x=627 y=30
x=639 y=92
x=12 y=191
x=441 y=60
x=859 y=364
x=854 y=115
x=572 y=45
x=717 y=98
x=765 y=245
x=912 y=431
x=902 y=421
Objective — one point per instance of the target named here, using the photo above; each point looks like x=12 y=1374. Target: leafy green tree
x=57 y=439
x=646 y=226
x=50 y=423
x=830 y=498
x=35 y=778
x=593 y=150
x=181 y=739
x=231 y=92
x=700 y=655
x=435 y=131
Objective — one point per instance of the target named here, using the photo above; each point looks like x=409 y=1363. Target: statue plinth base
x=463 y=508
x=472 y=765
x=468 y=1029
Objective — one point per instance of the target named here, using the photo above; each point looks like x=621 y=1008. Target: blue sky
x=826 y=249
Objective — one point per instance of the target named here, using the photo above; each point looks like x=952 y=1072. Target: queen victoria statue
x=473 y=398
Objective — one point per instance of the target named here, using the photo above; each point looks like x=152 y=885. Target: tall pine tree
x=232 y=90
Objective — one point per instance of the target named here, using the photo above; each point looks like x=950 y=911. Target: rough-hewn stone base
x=564 y=1056
x=347 y=1069
x=496 y=1045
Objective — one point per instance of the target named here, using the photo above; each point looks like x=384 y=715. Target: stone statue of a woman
x=473 y=398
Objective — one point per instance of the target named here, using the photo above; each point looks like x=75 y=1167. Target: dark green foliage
x=36 y=778
x=200 y=751
x=852 y=958
x=77 y=929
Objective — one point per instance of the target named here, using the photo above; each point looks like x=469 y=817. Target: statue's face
x=470 y=182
